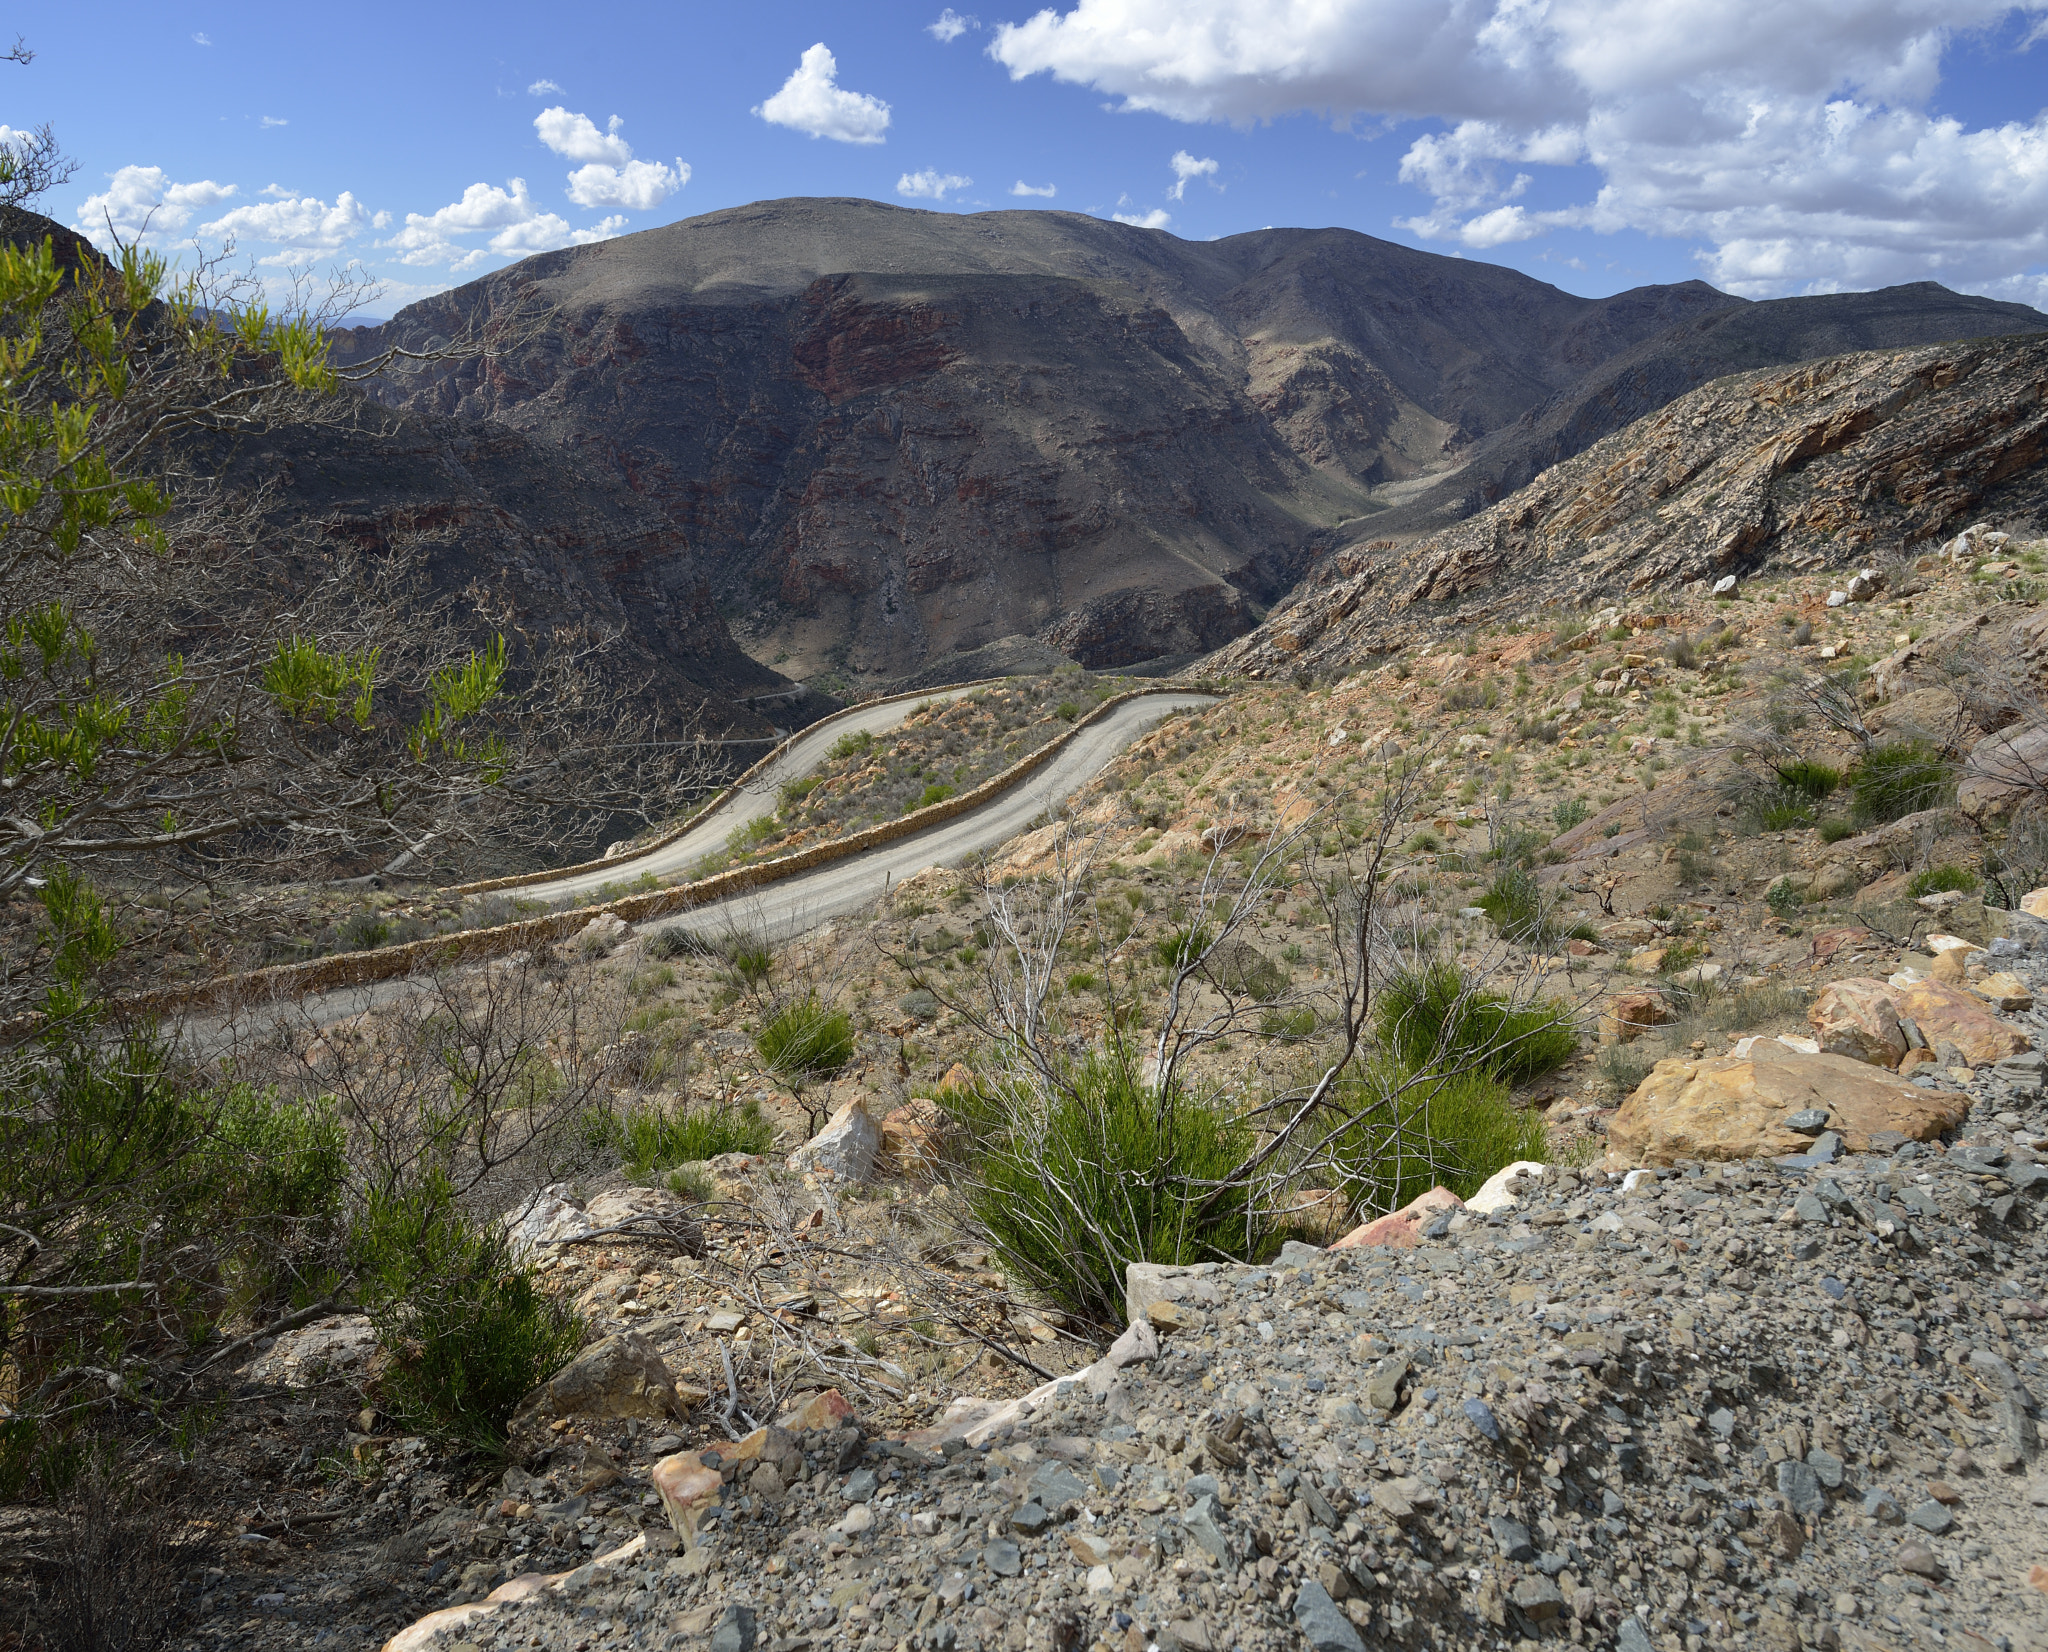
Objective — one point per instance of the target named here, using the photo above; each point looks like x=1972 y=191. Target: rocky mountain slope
x=1823 y=464
x=894 y=434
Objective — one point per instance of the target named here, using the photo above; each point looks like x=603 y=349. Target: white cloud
x=951 y=26
x=1157 y=218
x=612 y=178
x=1185 y=168
x=813 y=101
x=304 y=228
x=1045 y=191
x=930 y=184
x=638 y=186
x=518 y=228
x=576 y=137
x=273 y=120
x=276 y=192
x=1792 y=142
x=382 y=221
x=201 y=40
x=542 y=88
x=141 y=201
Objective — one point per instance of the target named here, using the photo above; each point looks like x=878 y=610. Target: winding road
x=805 y=900
x=824 y=893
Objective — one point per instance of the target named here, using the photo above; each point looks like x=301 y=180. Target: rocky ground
x=1725 y=1336
x=1778 y=1402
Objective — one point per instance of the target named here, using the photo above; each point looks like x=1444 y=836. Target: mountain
x=893 y=435
x=1820 y=465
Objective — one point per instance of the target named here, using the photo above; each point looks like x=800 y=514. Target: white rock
x=1804 y=1046
x=1101 y=1581
x=1725 y=586
x=607 y=929
x=338 y=1347
x=1338 y=737
x=846 y=1146
x=1635 y=1179
x=1495 y=1195
x=859 y=1518
x=1838 y=599
x=1951 y=943
x=1606 y=1222
x=553 y=1217
x=1905 y=977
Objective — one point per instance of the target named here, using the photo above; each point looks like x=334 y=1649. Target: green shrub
x=806 y=1040
x=792 y=792
x=1515 y=903
x=1814 y=780
x=1430 y=1018
x=936 y=792
x=1939 y=879
x=1425 y=842
x=1105 y=1172
x=1784 y=900
x=1780 y=809
x=1899 y=779
x=1833 y=831
x=850 y=745
x=469 y=1332
x=749 y=957
x=1066 y=711
x=1571 y=812
x=653 y=1139
x=363 y=931
x=1400 y=1134
x=1182 y=947
x=1292 y=1024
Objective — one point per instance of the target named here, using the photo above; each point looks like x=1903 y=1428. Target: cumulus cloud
x=576 y=137
x=611 y=177
x=951 y=26
x=141 y=202
x=1793 y=143
x=813 y=101
x=1185 y=168
x=542 y=88
x=1044 y=191
x=1157 y=218
x=515 y=225
x=303 y=228
x=930 y=184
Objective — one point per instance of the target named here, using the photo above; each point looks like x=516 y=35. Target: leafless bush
x=117 y=1568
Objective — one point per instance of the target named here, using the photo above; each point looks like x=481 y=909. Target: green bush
x=1571 y=812
x=1833 y=831
x=1430 y=1018
x=1182 y=947
x=1072 y=1189
x=469 y=1332
x=1400 y=1134
x=1514 y=901
x=1814 y=780
x=1784 y=900
x=850 y=745
x=1899 y=779
x=749 y=957
x=363 y=932
x=806 y=1040
x=1066 y=711
x=1781 y=809
x=1939 y=879
x=1290 y=1024
x=936 y=792
x=652 y=1139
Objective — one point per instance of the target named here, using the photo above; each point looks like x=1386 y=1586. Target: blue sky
x=1769 y=146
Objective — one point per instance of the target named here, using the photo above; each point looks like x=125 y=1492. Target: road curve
x=805 y=900
x=809 y=899
x=754 y=801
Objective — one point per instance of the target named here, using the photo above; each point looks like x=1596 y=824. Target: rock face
x=1856 y=1018
x=892 y=435
x=846 y=1146
x=1829 y=461
x=1733 y=1107
x=622 y=1376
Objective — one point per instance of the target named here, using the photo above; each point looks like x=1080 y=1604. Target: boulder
x=555 y=1216
x=1148 y=1282
x=1317 y=1213
x=913 y=1140
x=2005 y=991
x=688 y=1490
x=1628 y=1015
x=846 y=1146
x=344 y=1348
x=826 y=1409
x=1947 y=1013
x=552 y=1216
x=1835 y=879
x=1401 y=1230
x=2035 y=903
x=2002 y=769
x=622 y=1376
x=1735 y=1107
x=1495 y=1195
x=1857 y=1018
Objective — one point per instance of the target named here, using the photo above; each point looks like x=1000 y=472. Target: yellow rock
x=2005 y=990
